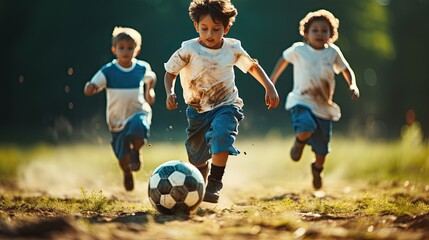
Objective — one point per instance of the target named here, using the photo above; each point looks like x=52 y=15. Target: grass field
x=372 y=190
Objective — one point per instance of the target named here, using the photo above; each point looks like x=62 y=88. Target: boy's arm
x=278 y=69
x=97 y=84
x=271 y=95
x=349 y=76
x=150 y=90
x=169 y=82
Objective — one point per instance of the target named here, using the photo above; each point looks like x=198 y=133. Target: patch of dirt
x=245 y=217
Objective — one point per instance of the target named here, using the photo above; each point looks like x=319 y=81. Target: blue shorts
x=212 y=132
x=136 y=128
x=303 y=120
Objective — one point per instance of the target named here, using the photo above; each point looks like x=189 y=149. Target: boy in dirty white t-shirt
x=315 y=62
x=205 y=65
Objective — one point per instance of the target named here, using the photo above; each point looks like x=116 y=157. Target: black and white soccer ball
x=176 y=187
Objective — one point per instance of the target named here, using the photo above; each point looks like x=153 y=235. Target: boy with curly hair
x=315 y=62
x=205 y=65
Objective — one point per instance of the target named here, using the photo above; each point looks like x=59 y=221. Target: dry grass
x=372 y=190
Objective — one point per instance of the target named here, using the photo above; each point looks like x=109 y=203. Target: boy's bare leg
x=128 y=175
x=303 y=136
x=204 y=169
x=320 y=161
x=138 y=143
x=220 y=159
x=135 y=163
x=316 y=170
x=214 y=184
x=299 y=144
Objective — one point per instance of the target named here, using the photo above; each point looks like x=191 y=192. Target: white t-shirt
x=124 y=91
x=314 y=78
x=207 y=75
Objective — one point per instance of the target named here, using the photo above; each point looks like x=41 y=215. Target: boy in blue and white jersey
x=129 y=85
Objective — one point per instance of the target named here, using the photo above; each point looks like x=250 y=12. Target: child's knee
x=124 y=163
x=137 y=142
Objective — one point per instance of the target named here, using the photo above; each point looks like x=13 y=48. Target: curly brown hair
x=324 y=15
x=220 y=10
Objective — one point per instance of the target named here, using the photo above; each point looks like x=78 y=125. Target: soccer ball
x=176 y=187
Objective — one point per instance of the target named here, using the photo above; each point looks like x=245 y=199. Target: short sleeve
x=178 y=60
x=340 y=63
x=243 y=61
x=99 y=79
x=149 y=74
x=290 y=53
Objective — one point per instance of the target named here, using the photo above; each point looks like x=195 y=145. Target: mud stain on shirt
x=217 y=93
x=321 y=93
x=206 y=90
x=211 y=96
x=184 y=57
x=197 y=94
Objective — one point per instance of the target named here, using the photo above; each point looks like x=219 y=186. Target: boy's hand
x=355 y=91
x=271 y=98
x=90 y=89
x=171 y=102
x=150 y=96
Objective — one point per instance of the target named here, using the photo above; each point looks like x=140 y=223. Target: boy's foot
x=317 y=179
x=135 y=160
x=212 y=190
x=296 y=150
x=128 y=180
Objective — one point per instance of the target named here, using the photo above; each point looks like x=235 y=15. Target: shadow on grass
x=138 y=218
x=39 y=229
x=48 y=227
x=292 y=196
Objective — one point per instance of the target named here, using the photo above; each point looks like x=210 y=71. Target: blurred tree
x=407 y=82
x=52 y=48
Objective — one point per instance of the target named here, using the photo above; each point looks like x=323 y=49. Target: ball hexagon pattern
x=176 y=187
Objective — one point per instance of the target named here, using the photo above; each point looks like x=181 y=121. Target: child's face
x=318 y=34
x=211 y=32
x=125 y=50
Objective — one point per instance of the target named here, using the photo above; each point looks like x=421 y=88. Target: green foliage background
x=51 y=48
